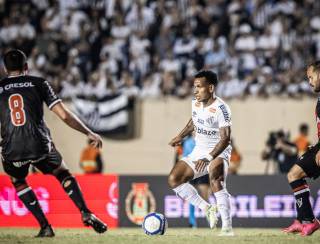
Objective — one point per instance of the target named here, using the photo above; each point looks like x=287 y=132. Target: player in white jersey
x=211 y=122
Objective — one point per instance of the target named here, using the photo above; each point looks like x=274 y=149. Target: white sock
x=223 y=203
x=187 y=192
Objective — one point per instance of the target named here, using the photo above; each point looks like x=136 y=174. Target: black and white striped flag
x=107 y=115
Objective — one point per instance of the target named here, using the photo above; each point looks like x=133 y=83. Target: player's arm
x=74 y=122
x=185 y=131
x=224 y=121
x=55 y=104
x=225 y=139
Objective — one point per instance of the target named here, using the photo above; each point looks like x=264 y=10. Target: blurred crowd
x=151 y=48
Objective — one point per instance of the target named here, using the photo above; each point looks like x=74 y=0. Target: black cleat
x=90 y=219
x=46 y=231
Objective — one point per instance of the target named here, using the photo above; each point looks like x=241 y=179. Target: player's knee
x=215 y=178
x=294 y=174
x=19 y=184
x=174 y=180
x=216 y=182
x=62 y=175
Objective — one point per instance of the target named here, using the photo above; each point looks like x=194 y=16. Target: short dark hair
x=14 y=60
x=303 y=127
x=210 y=76
x=315 y=65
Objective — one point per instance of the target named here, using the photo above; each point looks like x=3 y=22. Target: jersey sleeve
x=224 y=116
x=48 y=94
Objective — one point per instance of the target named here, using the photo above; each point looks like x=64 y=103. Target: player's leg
x=296 y=181
x=203 y=188
x=306 y=223
x=55 y=166
x=178 y=180
x=217 y=174
x=28 y=197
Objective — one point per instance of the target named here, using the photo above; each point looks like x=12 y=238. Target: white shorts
x=199 y=153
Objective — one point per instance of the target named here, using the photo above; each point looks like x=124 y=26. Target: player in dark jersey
x=307 y=166
x=26 y=138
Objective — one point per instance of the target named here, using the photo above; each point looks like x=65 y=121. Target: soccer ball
x=154 y=224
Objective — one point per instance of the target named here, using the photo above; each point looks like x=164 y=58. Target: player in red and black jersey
x=26 y=138
x=307 y=166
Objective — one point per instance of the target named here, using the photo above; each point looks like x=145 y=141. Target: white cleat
x=211 y=214
x=226 y=232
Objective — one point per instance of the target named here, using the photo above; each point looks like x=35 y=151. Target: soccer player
x=307 y=166
x=211 y=122
x=26 y=139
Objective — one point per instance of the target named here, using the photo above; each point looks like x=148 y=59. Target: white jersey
x=207 y=122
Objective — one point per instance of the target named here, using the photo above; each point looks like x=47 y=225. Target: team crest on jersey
x=212 y=110
x=210 y=120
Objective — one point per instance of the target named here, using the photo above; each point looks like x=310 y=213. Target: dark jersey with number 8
x=24 y=133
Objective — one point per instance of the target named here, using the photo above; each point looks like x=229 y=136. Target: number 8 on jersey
x=18 y=116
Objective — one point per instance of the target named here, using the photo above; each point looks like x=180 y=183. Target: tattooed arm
x=225 y=138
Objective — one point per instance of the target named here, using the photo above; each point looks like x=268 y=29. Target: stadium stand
x=259 y=48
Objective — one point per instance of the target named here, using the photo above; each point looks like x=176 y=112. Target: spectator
x=235 y=160
x=90 y=160
x=113 y=37
x=279 y=149
x=302 y=142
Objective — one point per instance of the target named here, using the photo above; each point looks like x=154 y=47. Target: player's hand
x=318 y=158
x=176 y=141
x=201 y=164
x=96 y=140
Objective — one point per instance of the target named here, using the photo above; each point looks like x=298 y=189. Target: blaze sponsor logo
x=204 y=131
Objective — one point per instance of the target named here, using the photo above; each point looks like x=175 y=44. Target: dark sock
x=29 y=199
x=72 y=188
x=301 y=192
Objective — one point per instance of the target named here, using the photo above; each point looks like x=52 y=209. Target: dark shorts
x=308 y=162
x=47 y=164
x=201 y=180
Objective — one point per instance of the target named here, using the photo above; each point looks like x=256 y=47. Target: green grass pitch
x=172 y=236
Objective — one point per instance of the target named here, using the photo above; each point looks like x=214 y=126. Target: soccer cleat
x=211 y=215
x=308 y=229
x=226 y=232
x=46 y=231
x=296 y=226
x=90 y=219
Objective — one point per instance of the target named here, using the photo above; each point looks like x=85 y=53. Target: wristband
x=209 y=157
